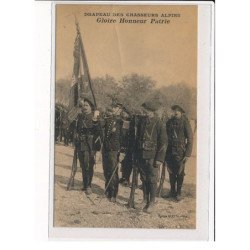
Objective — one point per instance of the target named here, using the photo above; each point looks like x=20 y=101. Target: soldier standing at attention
x=112 y=153
x=86 y=127
x=151 y=150
x=180 y=142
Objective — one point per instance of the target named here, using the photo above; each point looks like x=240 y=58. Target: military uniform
x=151 y=149
x=112 y=145
x=180 y=141
x=128 y=148
x=57 y=123
x=86 y=130
x=64 y=128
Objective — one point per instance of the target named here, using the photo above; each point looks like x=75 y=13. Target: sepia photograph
x=125 y=116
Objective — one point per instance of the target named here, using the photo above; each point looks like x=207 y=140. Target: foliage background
x=132 y=90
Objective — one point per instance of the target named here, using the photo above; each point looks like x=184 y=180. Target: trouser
x=127 y=166
x=87 y=162
x=66 y=139
x=110 y=162
x=176 y=177
x=149 y=176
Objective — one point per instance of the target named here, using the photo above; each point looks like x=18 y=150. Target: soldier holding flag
x=82 y=114
x=86 y=130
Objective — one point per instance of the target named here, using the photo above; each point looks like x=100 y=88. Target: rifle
x=131 y=201
x=73 y=171
x=160 y=187
x=74 y=162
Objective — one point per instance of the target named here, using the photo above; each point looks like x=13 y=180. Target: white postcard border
x=205 y=143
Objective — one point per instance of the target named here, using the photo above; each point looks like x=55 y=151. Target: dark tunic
x=152 y=139
x=113 y=134
x=180 y=137
x=180 y=142
x=151 y=147
x=85 y=131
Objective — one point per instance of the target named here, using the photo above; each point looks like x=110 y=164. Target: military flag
x=81 y=82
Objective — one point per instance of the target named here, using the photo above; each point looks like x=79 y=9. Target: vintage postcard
x=131 y=120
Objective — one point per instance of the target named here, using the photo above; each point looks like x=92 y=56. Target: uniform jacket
x=180 y=136
x=152 y=139
x=86 y=130
x=113 y=134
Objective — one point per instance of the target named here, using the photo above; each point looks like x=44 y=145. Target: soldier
x=180 y=141
x=64 y=127
x=86 y=128
x=151 y=149
x=57 y=122
x=112 y=153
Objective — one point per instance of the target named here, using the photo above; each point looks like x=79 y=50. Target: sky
x=165 y=52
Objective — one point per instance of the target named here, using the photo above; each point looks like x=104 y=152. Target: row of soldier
x=141 y=139
x=62 y=128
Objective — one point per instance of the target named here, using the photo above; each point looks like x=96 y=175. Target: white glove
x=121 y=157
x=96 y=115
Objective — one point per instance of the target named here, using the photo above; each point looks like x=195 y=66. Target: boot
x=113 y=200
x=88 y=191
x=152 y=202
x=150 y=207
x=145 y=195
x=83 y=180
x=115 y=192
x=86 y=181
x=172 y=193
x=112 y=196
x=180 y=179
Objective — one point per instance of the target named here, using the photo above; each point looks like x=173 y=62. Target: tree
x=181 y=94
x=132 y=90
x=62 y=91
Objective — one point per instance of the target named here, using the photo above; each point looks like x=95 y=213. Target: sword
x=109 y=181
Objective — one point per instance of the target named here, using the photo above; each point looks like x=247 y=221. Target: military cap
x=151 y=105
x=89 y=102
x=177 y=107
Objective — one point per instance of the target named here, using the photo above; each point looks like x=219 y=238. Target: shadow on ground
x=67 y=167
x=188 y=190
x=63 y=182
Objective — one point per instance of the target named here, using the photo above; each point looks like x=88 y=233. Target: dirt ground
x=74 y=209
